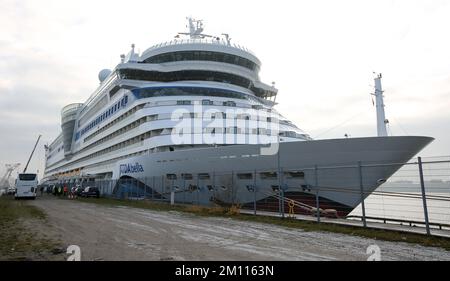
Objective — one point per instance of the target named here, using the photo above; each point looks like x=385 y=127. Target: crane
x=32 y=152
x=4 y=181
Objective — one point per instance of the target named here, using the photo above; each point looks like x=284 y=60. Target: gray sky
x=321 y=54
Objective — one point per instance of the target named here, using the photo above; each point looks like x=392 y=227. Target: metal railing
x=416 y=195
x=197 y=41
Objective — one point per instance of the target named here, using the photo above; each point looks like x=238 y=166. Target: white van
x=26 y=186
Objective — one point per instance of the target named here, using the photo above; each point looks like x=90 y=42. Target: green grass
x=378 y=234
x=17 y=242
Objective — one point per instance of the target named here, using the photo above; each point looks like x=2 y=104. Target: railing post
x=162 y=187
x=129 y=190
x=254 y=193
x=361 y=186
x=147 y=185
x=198 y=190
x=153 y=187
x=316 y=181
x=172 y=194
x=424 y=198
x=184 y=190
x=214 y=184
x=232 y=187
x=280 y=189
x=282 y=193
x=317 y=206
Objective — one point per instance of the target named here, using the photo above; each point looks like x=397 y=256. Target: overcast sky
x=321 y=55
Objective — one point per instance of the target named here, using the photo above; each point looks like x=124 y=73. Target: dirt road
x=122 y=233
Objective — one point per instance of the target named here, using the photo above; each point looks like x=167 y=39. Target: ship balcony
x=69 y=112
x=68 y=118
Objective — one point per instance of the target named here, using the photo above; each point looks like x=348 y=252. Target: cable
x=339 y=125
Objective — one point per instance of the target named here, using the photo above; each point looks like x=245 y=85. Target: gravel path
x=122 y=233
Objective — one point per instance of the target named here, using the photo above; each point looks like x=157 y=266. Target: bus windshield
x=27 y=177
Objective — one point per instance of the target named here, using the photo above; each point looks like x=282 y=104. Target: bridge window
x=186 y=75
x=27 y=177
x=203 y=56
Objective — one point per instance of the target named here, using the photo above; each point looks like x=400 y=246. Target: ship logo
x=131 y=169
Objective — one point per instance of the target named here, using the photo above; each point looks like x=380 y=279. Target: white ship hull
x=337 y=174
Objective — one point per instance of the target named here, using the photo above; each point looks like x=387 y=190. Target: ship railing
x=411 y=223
x=73 y=107
x=199 y=41
x=238 y=105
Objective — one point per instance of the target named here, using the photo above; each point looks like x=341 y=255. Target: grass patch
x=17 y=242
x=233 y=212
x=163 y=206
x=378 y=234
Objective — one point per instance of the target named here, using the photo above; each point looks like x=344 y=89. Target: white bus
x=26 y=186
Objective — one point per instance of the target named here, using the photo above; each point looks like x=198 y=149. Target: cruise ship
x=190 y=120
